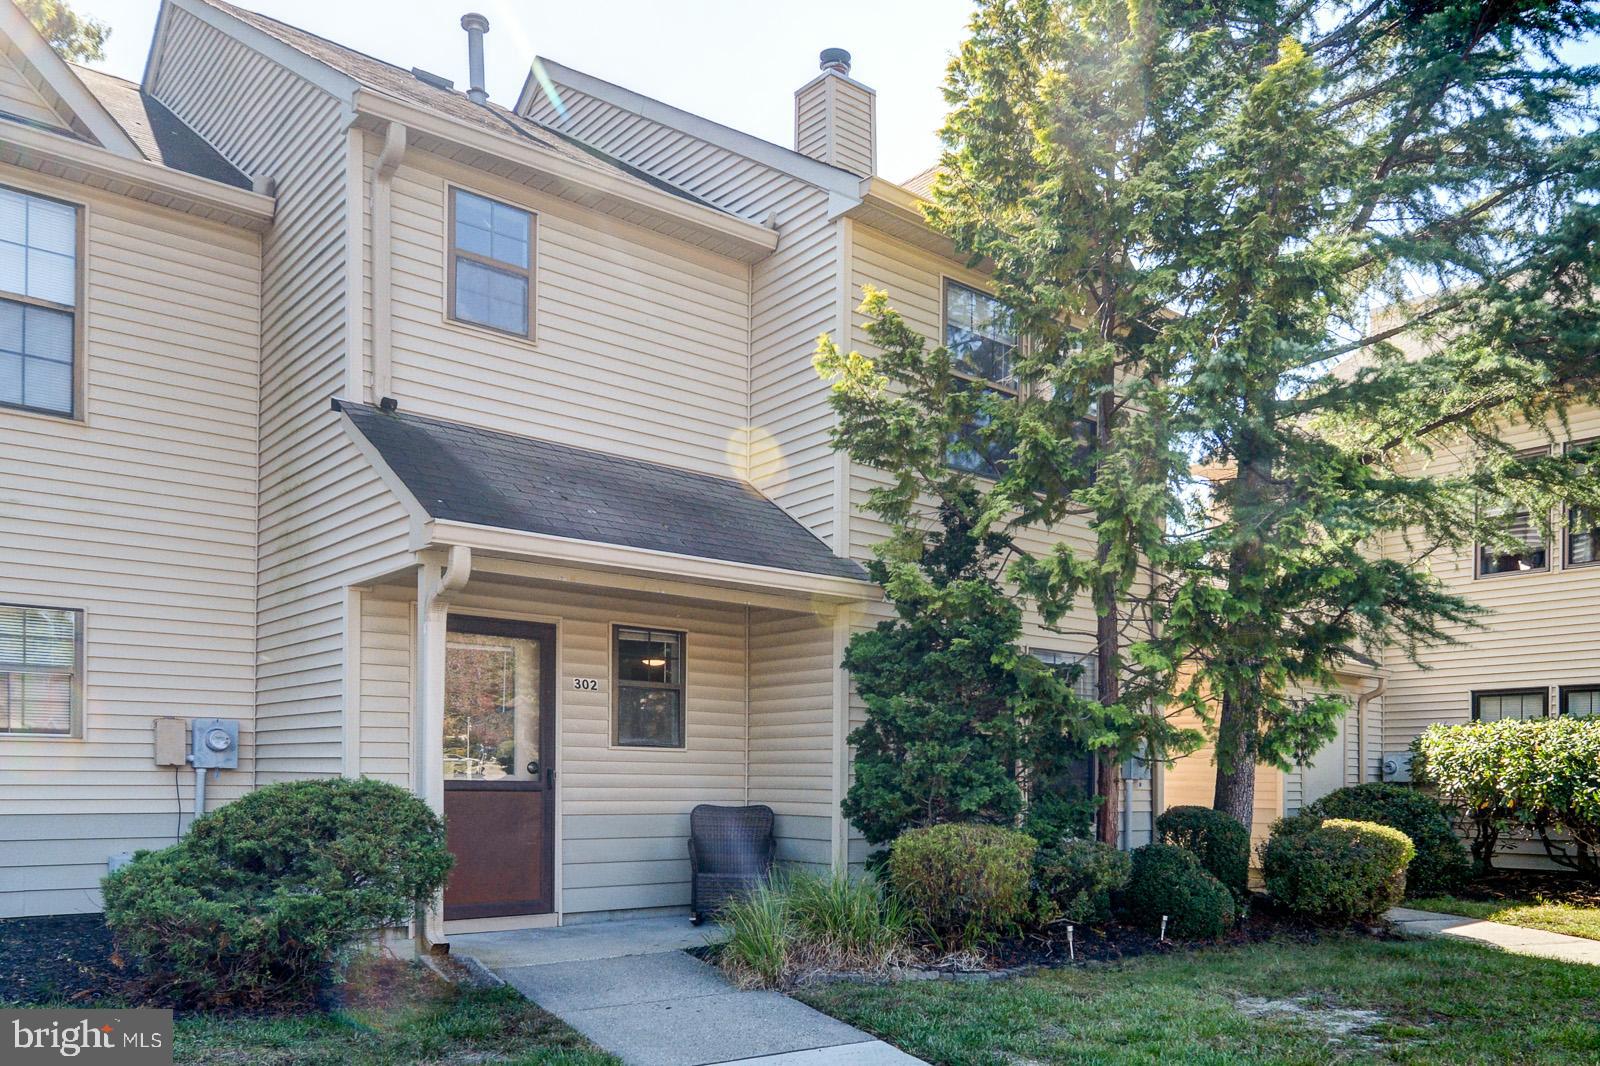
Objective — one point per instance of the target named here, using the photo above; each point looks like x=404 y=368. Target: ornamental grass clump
x=805 y=923
x=259 y=902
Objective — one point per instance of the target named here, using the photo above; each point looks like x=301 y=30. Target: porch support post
x=841 y=729
x=436 y=587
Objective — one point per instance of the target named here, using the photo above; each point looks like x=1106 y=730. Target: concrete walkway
x=630 y=987
x=1510 y=938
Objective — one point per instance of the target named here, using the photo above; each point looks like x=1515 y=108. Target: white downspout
x=1361 y=725
x=388 y=161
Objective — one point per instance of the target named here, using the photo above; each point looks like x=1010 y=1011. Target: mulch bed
x=62 y=958
x=1521 y=886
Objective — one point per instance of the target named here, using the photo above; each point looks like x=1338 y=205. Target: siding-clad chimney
x=835 y=117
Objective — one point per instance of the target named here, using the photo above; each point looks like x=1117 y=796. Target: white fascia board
x=338 y=85
x=177 y=189
x=756 y=240
x=620 y=557
x=779 y=158
x=83 y=104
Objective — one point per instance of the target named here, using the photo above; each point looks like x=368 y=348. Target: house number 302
x=586 y=684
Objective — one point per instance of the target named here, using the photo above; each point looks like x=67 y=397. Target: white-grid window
x=1087 y=684
x=491 y=263
x=41 y=670
x=38 y=303
x=1521 y=704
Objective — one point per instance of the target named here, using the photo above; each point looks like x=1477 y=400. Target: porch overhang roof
x=517 y=497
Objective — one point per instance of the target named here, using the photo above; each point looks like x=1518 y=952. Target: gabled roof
x=160 y=136
x=399 y=82
x=465 y=474
x=85 y=116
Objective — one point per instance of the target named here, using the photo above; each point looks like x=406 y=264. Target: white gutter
x=388 y=161
x=743 y=239
x=91 y=165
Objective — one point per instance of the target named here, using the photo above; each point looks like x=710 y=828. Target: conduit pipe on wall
x=1361 y=725
x=388 y=161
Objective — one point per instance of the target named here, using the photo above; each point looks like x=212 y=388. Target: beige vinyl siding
x=641 y=341
x=793 y=293
x=388 y=635
x=1539 y=631
x=624 y=812
x=143 y=516
x=833 y=123
x=792 y=672
x=324 y=516
x=19 y=96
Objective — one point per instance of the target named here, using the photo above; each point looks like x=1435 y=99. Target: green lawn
x=477 y=1025
x=1430 y=1001
x=1574 y=919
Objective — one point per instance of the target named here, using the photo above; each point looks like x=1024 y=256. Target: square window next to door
x=41 y=671
x=649 y=708
x=491 y=264
x=38 y=304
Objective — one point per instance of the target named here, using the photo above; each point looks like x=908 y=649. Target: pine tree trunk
x=1108 y=630
x=1236 y=776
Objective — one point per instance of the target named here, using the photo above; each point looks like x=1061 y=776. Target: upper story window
x=491 y=263
x=1583 y=523
x=41 y=670
x=1581 y=701
x=38 y=303
x=983 y=343
x=649 y=700
x=1520 y=704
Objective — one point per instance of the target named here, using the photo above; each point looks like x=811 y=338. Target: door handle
x=533 y=767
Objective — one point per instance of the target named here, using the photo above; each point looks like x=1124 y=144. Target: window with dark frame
x=491 y=263
x=1521 y=704
x=1580 y=701
x=1583 y=523
x=1526 y=551
x=38 y=303
x=41 y=664
x=649 y=708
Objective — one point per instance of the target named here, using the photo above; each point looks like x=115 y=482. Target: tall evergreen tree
x=1197 y=209
x=76 y=37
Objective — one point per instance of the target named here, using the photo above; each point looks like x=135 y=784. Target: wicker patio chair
x=730 y=852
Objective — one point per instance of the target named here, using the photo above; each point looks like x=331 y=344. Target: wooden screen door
x=499 y=741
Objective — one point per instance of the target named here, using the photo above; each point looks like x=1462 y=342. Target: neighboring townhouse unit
x=130 y=281
x=537 y=510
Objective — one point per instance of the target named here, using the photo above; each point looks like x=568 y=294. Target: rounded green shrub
x=1441 y=864
x=967 y=883
x=1079 y=876
x=258 y=902
x=1169 y=881
x=1219 y=840
x=1335 y=871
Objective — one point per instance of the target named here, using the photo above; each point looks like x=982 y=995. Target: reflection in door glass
x=491 y=708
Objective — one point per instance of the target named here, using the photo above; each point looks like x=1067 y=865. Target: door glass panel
x=491 y=708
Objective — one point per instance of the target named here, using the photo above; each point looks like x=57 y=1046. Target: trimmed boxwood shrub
x=1441 y=865
x=258 y=902
x=1336 y=871
x=967 y=883
x=1169 y=880
x=1219 y=840
x=1079 y=876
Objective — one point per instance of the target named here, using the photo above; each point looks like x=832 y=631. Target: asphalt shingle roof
x=158 y=134
x=401 y=83
x=463 y=473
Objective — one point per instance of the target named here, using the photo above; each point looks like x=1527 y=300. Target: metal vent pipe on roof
x=476 y=26
x=835 y=59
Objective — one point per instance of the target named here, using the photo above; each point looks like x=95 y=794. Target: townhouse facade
x=354 y=424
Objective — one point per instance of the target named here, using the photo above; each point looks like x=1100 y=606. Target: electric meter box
x=214 y=743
